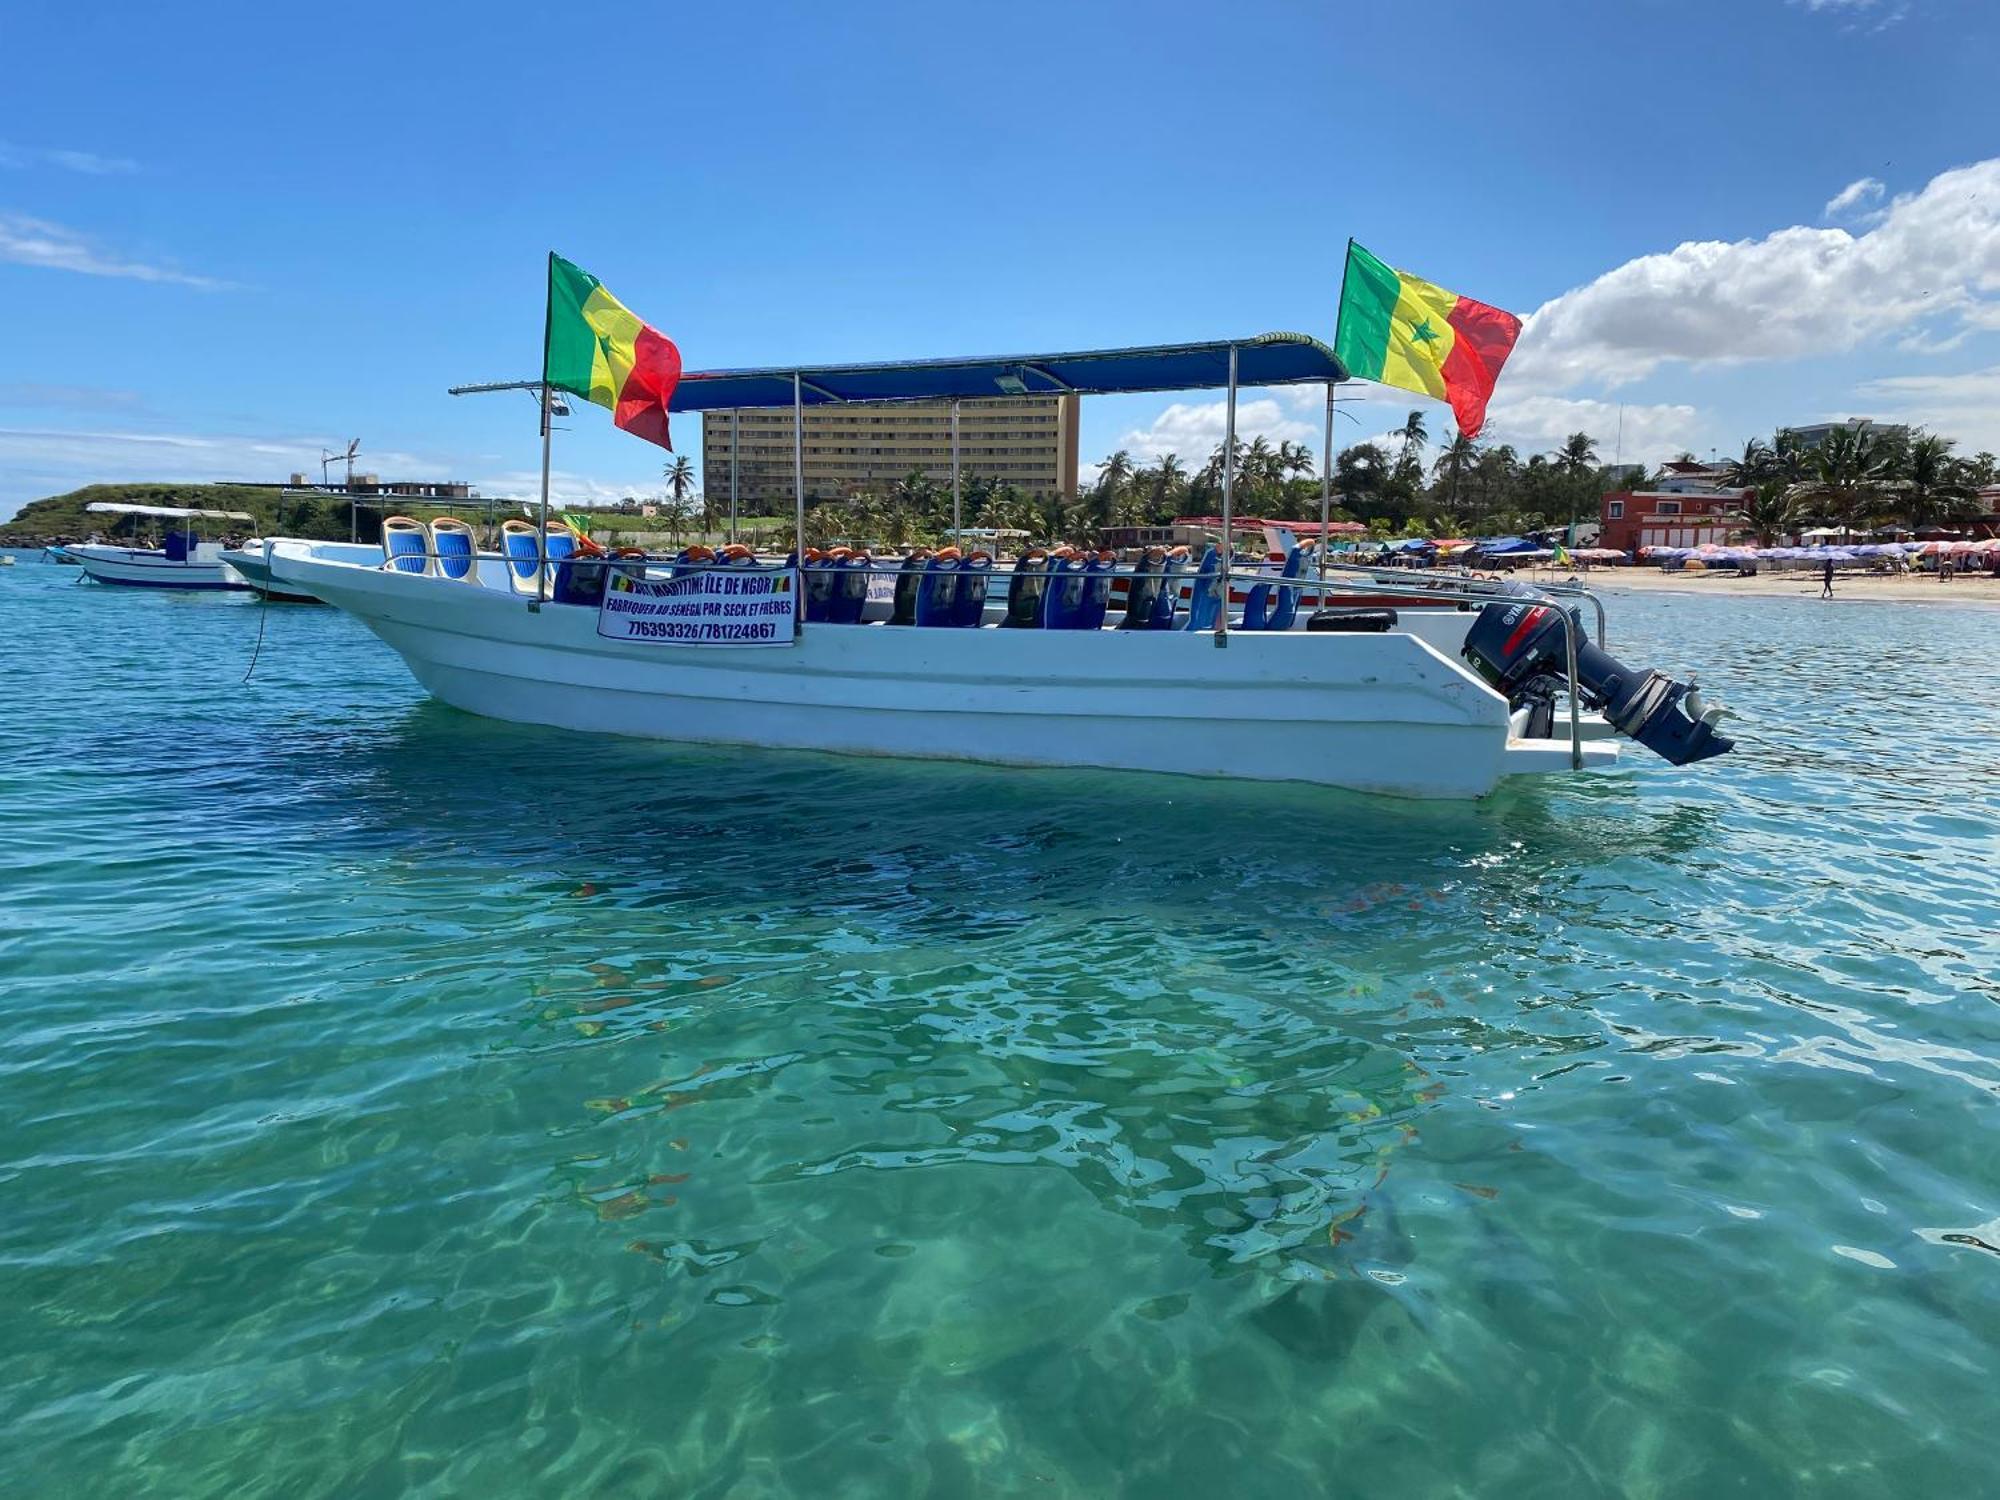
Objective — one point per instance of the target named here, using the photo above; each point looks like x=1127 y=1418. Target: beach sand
x=1910 y=588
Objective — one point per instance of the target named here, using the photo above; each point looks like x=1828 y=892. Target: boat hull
x=133 y=567
x=251 y=565
x=1380 y=713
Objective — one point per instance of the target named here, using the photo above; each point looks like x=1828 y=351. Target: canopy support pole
x=542 y=569
x=1325 y=494
x=735 y=462
x=799 y=466
x=1228 y=504
x=957 y=519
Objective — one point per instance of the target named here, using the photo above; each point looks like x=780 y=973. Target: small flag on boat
x=1404 y=331
x=595 y=347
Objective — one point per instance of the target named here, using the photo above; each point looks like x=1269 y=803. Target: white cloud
x=39 y=461
x=1632 y=432
x=568 y=489
x=1797 y=293
x=1861 y=16
x=37 y=242
x=1193 y=430
x=1964 y=406
x=21 y=158
x=1858 y=194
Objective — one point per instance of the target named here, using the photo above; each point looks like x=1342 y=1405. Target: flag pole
x=1228 y=499
x=957 y=524
x=542 y=561
x=799 y=475
x=1325 y=493
x=735 y=461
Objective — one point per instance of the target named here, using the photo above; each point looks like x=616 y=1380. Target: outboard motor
x=1517 y=646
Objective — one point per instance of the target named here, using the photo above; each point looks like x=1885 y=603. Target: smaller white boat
x=251 y=563
x=185 y=562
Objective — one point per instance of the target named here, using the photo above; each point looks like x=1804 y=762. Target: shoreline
x=1979 y=590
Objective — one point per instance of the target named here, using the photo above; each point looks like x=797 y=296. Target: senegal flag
x=593 y=347
x=1403 y=331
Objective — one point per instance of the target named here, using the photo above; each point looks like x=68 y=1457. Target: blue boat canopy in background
x=1501 y=546
x=1267 y=359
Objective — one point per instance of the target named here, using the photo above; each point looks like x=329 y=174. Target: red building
x=1686 y=509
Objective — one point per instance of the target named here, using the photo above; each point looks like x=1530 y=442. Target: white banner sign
x=712 y=607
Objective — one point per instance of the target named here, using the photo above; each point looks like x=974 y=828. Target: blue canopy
x=1500 y=546
x=1267 y=359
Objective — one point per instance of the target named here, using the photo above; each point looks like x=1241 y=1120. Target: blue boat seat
x=909 y=582
x=975 y=574
x=1027 y=590
x=406 y=546
x=1065 y=606
x=456 y=558
x=937 y=592
x=521 y=545
x=1169 y=603
x=817 y=581
x=1097 y=574
x=1142 y=588
x=850 y=587
x=1271 y=606
x=180 y=545
x=1206 y=601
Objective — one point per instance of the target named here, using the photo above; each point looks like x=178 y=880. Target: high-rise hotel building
x=1029 y=442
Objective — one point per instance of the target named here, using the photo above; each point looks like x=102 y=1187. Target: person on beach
x=1826 y=581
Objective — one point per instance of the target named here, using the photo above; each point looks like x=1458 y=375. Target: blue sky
x=232 y=234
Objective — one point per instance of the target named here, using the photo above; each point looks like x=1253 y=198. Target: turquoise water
x=402 y=1103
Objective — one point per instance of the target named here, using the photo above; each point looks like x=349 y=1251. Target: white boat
x=649 y=648
x=185 y=562
x=250 y=564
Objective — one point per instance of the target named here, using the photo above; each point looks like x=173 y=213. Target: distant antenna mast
x=353 y=515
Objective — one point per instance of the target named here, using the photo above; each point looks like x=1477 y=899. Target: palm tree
x=1769 y=511
x=1575 y=460
x=679 y=476
x=1053 y=516
x=1459 y=454
x=1114 y=472
x=1753 y=467
x=1362 y=475
x=1259 y=464
x=1169 y=478
x=1577 y=455
x=1847 y=478
x=1791 y=460
x=1933 y=481
x=1414 y=435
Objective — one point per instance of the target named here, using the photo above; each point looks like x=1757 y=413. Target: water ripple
x=405 y=1103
